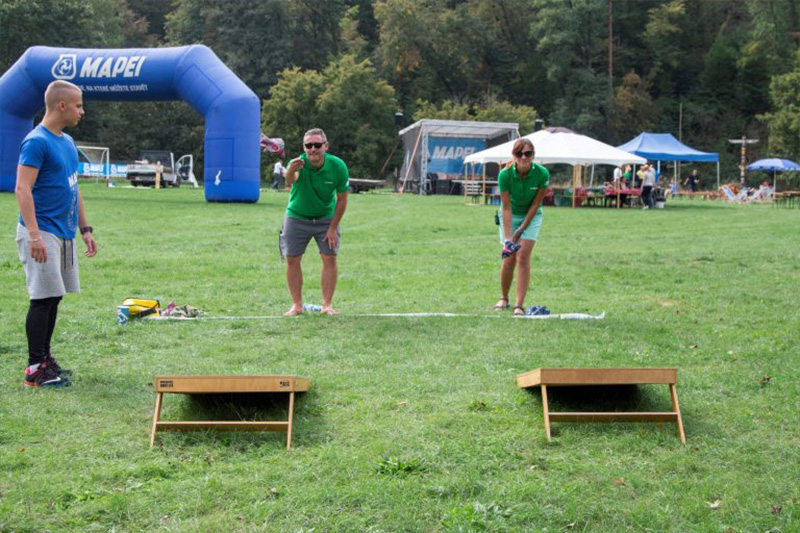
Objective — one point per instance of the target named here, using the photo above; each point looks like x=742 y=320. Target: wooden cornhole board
x=222 y=385
x=555 y=377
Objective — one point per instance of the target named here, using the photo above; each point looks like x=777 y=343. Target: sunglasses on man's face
x=309 y=146
x=526 y=153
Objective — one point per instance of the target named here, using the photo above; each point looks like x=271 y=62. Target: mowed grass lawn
x=412 y=424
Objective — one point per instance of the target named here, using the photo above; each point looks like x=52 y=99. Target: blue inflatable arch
x=193 y=74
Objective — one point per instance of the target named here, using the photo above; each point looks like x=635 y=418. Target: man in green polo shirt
x=317 y=201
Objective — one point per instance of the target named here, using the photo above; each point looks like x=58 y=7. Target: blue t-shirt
x=55 y=193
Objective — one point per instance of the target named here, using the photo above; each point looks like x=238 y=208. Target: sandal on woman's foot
x=519 y=310
x=499 y=306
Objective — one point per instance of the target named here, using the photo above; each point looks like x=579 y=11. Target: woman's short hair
x=520 y=145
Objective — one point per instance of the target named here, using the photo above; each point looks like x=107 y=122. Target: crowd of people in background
x=647 y=178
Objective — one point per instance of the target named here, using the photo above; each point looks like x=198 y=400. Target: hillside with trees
x=703 y=71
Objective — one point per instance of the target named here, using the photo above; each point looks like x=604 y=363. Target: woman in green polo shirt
x=523 y=185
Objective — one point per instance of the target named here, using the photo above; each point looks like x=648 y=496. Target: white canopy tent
x=560 y=147
x=556 y=145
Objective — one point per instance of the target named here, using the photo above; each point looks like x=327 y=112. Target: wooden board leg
x=291 y=417
x=156 y=416
x=673 y=393
x=546 y=413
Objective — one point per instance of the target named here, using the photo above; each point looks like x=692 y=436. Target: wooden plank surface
x=597 y=376
x=225 y=384
x=222 y=425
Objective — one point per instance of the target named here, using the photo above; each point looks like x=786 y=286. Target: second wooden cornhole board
x=222 y=385
x=555 y=377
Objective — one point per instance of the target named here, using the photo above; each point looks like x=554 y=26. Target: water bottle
x=312 y=308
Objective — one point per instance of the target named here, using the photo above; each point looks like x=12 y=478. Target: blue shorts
x=531 y=233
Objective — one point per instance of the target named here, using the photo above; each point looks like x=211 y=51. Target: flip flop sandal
x=519 y=308
x=499 y=307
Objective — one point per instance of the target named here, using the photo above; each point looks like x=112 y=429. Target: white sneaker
x=646 y=207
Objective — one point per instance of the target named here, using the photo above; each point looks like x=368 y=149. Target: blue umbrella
x=775 y=166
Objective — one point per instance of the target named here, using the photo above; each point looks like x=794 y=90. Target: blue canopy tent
x=774 y=166
x=665 y=147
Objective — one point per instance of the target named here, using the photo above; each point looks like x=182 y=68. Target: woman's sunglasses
x=526 y=153
x=309 y=146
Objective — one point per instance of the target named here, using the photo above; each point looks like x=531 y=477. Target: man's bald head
x=60 y=91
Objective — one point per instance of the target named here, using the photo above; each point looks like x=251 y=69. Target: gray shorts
x=56 y=276
x=296 y=233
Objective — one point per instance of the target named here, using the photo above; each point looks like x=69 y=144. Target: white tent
x=560 y=147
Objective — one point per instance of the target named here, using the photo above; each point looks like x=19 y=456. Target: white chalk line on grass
x=562 y=316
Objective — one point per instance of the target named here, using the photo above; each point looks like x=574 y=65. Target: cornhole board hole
x=572 y=377
x=222 y=385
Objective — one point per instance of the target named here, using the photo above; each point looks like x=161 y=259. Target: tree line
x=705 y=71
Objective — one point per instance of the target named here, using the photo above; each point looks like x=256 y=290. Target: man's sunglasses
x=309 y=146
x=526 y=153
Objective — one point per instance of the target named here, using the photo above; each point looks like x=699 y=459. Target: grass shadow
x=605 y=398
x=251 y=407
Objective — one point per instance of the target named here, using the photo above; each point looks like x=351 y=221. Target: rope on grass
x=562 y=316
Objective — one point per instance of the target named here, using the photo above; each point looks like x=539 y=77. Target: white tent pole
x=467 y=166
x=718 y=185
x=483 y=185
x=591 y=179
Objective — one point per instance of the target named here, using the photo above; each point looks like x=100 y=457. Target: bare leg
x=506 y=276
x=523 y=258
x=294 y=279
x=330 y=273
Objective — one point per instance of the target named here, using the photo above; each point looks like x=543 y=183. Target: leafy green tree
x=152 y=15
x=353 y=42
x=632 y=108
x=64 y=23
x=448 y=110
x=662 y=35
x=252 y=38
x=439 y=51
x=347 y=100
x=775 y=26
x=719 y=76
x=572 y=38
x=784 y=121
x=491 y=110
x=292 y=108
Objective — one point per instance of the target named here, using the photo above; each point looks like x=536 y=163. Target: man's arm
x=88 y=239
x=291 y=171
x=338 y=213
x=26 y=178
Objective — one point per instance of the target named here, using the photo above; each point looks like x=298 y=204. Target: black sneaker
x=44 y=376
x=55 y=367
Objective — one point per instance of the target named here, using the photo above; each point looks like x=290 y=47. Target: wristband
x=85 y=230
x=34 y=240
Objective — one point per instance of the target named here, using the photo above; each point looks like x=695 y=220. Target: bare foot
x=294 y=311
x=328 y=310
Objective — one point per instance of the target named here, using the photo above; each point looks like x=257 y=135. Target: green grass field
x=412 y=424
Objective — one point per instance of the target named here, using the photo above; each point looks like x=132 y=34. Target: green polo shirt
x=522 y=190
x=314 y=192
